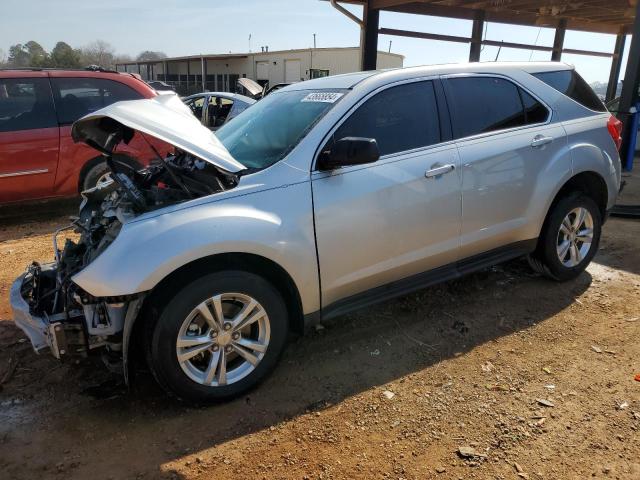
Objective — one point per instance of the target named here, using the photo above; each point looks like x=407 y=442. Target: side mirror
x=349 y=151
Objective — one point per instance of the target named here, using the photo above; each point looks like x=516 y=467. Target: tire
x=553 y=241
x=192 y=379
x=100 y=170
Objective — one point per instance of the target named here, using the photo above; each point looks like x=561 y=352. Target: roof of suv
x=349 y=80
x=128 y=79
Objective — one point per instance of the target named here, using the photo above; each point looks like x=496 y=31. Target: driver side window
x=399 y=118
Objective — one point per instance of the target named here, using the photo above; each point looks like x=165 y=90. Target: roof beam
x=493 y=43
x=607 y=16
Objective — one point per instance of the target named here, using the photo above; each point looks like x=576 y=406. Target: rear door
x=76 y=97
x=29 y=139
x=508 y=150
x=389 y=220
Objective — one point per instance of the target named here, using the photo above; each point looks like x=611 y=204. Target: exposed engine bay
x=81 y=322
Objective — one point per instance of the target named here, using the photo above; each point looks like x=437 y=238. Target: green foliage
x=38 y=56
x=32 y=54
x=99 y=52
x=63 y=56
x=19 y=56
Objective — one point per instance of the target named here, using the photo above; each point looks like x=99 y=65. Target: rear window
x=572 y=85
x=77 y=97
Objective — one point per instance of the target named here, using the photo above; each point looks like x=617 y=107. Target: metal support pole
x=558 y=40
x=204 y=72
x=616 y=65
x=370 y=38
x=631 y=83
x=188 y=75
x=476 y=36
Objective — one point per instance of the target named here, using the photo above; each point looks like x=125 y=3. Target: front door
x=397 y=217
x=29 y=139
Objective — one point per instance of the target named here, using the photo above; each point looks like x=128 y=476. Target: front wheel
x=569 y=238
x=219 y=336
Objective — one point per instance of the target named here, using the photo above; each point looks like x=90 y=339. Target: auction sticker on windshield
x=324 y=97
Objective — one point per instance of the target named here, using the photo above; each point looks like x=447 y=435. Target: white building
x=197 y=73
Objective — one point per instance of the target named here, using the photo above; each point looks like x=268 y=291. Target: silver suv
x=324 y=197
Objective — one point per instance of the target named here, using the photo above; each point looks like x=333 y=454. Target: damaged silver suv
x=325 y=196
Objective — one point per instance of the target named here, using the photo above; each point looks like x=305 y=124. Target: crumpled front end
x=54 y=311
x=40 y=330
x=68 y=327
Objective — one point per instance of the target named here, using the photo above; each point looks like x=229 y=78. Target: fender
x=593 y=150
x=264 y=223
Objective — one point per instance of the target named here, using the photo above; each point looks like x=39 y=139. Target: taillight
x=615 y=130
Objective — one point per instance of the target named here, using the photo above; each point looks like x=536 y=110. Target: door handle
x=435 y=172
x=540 y=140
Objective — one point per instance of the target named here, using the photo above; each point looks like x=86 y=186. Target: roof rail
x=28 y=69
x=89 y=68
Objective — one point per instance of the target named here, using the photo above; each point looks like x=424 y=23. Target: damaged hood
x=164 y=117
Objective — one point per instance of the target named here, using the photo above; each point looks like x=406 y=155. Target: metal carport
x=618 y=17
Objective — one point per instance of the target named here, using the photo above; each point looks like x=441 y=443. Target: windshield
x=265 y=133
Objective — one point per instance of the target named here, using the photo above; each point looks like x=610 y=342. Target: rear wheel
x=218 y=337
x=569 y=239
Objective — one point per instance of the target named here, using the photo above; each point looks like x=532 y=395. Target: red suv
x=38 y=158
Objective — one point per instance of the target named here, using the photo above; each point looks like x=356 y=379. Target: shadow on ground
x=351 y=354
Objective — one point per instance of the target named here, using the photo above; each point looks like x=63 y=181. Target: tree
x=18 y=56
x=98 y=53
x=3 y=58
x=31 y=54
x=63 y=56
x=38 y=56
x=150 y=56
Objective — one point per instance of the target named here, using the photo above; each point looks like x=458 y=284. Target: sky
x=179 y=27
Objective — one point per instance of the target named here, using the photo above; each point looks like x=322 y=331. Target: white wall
x=335 y=60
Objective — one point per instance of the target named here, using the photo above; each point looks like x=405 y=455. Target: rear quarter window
x=570 y=83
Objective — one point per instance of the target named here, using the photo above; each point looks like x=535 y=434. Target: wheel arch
x=587 y=182
x=252 y=263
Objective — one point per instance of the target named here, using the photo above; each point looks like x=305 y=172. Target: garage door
x=291 y=71
x=262 y=70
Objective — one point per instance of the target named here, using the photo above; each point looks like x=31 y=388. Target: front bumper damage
x=42 y=331
x=73 y=332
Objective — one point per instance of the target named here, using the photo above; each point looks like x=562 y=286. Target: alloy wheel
x=103 y=179
x=223 y=339
x=575 y=237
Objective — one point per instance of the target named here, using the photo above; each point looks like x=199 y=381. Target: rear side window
x=573 y=86
x=26 y=104
x=487 y=104
x=399 y=118
x=76 y=97
x=534 y=111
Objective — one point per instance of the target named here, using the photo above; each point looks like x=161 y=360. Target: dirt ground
x=534 y=379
